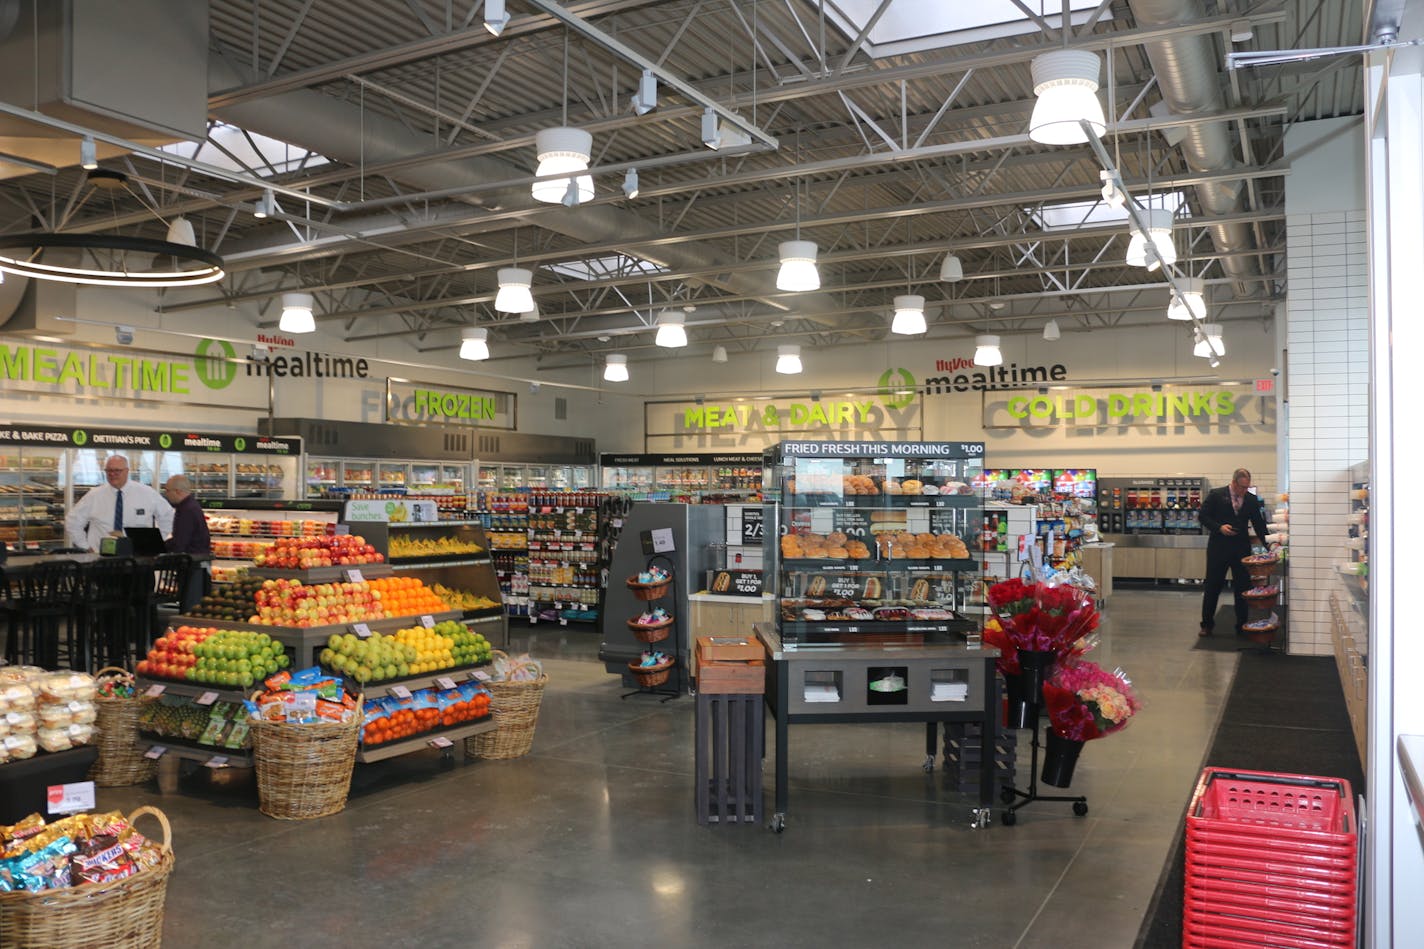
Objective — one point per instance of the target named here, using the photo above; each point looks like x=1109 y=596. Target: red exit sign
x=1265 y=385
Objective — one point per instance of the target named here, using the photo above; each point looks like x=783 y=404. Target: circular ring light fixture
x=191 y=266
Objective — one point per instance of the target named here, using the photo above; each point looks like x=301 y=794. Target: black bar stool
x=105 y=611
x=159 y=589
x=46 y=608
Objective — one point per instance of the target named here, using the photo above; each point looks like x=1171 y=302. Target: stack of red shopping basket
x=1271 y=861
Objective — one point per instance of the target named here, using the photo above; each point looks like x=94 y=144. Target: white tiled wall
x=1328 y=345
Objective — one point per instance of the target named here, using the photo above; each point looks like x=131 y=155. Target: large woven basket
x=125 y=914
x=304 y=771
x=120 y=762
x=515 y=706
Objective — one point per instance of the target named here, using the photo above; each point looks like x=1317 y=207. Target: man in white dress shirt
x=114 y=505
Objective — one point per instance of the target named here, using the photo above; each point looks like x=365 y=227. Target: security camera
x=1275 y=371
x=124 y=334
x=533 y=387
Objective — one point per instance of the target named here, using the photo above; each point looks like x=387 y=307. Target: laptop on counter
x=147 y=541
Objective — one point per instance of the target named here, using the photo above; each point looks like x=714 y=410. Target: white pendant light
x=615 y=368
x=798 y=267
x=496 y=18
x=1164 y=252
x=1209 y=343
x=514 y=294
x=297 y=314
x=1066 y=83
x=788 y=360
x=670 y=330
x=1051 y=331
x=986 y=351
x=180 y=231
x=266 y=205
x=474 y=343
x=719 y=354
x=88 y=154
x=630 y=184
x=952 y=270
x=1190 y=304
x=563 y=150
x=909 y=317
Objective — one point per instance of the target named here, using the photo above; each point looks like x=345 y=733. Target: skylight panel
x=229 y=147
x=910 y=26
x=1076 y=214
x=612 y=265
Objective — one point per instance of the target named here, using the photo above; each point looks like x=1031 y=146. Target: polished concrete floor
x=591 y=841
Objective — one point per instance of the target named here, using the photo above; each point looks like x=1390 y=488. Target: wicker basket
x=650 y=676
x=649 y=591
x=515 y=706
x=120 y=763
x=125 y=914
x=304 y=771
x=651 y=632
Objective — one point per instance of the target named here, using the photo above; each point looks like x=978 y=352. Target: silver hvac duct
x=1189 y=79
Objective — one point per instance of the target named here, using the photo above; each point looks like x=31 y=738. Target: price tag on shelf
x=362 y=630
x=427 y=621
x=445 y=682
x=156 y=752
x=155 y=690
x=563 y=621
x=618 y=522
x=343 y=530
x=70 y=798
x=440 y=742
x=479 y=675
x=216 y=761
x=354 y=576
x=207 y=698
x=400 y=691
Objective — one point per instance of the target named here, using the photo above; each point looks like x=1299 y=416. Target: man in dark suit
x=1228 y=514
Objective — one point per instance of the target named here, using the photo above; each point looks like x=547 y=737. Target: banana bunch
x=431 y=547
x=462 y=599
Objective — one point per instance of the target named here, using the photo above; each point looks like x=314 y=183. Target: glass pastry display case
x=875 y=542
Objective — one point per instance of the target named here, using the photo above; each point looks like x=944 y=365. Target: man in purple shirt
x=190 y=535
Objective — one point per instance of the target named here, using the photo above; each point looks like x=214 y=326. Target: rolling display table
x=830 y=684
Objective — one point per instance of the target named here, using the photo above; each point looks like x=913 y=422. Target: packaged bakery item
x=20 y=722
x=65 y=687
x=54 y=739
x=16 y=697
x=20 y=745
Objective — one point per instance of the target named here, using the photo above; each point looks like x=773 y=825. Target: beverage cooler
x=326 y=475
x=44 y=470
x=690 y=478
x=1150 y=506
x=518 y=476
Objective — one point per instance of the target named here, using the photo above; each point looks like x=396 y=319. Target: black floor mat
x=1284 y=713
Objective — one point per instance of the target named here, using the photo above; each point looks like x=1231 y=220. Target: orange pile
x=406 y=596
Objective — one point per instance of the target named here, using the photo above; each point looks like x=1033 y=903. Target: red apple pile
x=172 y=654
x=293 y=603
x=304 y=553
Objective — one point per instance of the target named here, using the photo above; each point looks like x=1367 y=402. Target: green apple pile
x=368 y=660
x=234 y=657
x=471 y=648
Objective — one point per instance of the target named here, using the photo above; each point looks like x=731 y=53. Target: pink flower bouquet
x=1085 y=702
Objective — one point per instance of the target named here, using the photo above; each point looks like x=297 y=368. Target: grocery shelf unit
x=505 y=519
x=878 y=621
x=1350 y=608
x=201 y=697
x=568 y=550
x=31 y=496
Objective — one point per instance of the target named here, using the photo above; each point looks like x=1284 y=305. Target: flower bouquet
x=1037 y=624
x=1084 y=702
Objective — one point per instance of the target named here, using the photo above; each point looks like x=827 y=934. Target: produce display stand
x=850 y=670
x=211 y=755
x=435 y=738
x=308 y=641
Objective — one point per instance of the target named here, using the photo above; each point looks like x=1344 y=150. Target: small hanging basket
x=651 y=632
x=649 y=591
x=650 y=676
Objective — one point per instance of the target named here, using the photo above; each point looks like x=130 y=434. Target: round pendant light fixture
x=474 y=343
x=909 y=319
x=1163 y=251
x=514 y=295
x=671 y=333
x=561 y=151
x=615 y=368
x=798 y=272
x=986 y=351
x=1190 y=303
x=1066 y=83
x=297 y=313
x=788 y=359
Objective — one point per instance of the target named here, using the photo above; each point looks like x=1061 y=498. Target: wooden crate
x=731 y=678
x=729 y=648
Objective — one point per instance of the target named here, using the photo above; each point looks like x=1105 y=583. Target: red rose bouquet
x=1041 y=617
x=1085 y=702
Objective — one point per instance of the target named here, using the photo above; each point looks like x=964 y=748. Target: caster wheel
x=1009 y=818
x=1006 y=795
x=1080 y=808
x=777 y=823
x=928 y=766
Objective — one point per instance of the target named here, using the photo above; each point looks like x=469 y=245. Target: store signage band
x=1120 y=407
x=644 y=460
x=122 y=440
